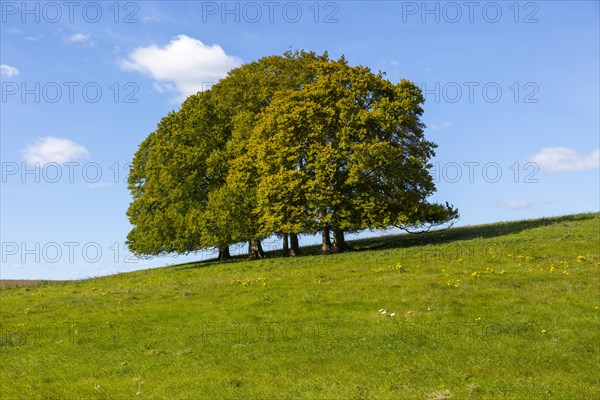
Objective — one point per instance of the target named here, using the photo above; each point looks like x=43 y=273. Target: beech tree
x=172 y=174
x=345 y=153
x=179 y=176
x=287 y=145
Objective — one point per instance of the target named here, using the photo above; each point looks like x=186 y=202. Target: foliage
x=285 y=145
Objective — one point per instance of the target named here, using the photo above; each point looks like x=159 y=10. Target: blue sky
x=512 y=100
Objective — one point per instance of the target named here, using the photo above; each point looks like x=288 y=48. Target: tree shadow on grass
x=422 y=239
x=462 y=233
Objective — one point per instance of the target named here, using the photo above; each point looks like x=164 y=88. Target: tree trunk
x=224 y=253
x=326 y=245
x=339 y=243
x=255 y=249
x=294 y=247
x=286 y=245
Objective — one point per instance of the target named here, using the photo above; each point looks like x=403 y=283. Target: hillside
x=508 y=310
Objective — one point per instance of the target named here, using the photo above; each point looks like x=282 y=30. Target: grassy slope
x=496 y=311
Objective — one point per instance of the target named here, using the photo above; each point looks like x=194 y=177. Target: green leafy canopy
x=289 y=144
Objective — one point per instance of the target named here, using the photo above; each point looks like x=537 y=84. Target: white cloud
x=441 y=125
x=78 y=38
x=395 y=63
x=183 y=67
x=514 y=204
x=151 y=18
x=562 y=159
x=8 y=71
x=35 y=38
x=51 y=149
x=100 y=185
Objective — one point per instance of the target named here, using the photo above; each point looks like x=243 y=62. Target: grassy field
x=17 y=283
x=508 y=310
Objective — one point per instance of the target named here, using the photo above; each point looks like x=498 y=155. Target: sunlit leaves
x=288 y=144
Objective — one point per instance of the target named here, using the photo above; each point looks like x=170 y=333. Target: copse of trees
x=287 y=145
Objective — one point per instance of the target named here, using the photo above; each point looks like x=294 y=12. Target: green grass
x=507 y=310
